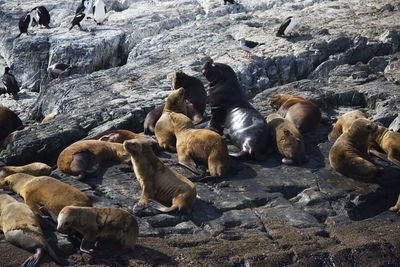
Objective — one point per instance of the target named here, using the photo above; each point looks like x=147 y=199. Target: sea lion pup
x=98 y=224
x=287 y=139
x=389 y=142
x=349 y=154
x=232 y=114
x=35 y=169
x=343 y=123
x=200 y=144
x=302 y=112
x=157 y=181
x=44 y=189
x=21 y=228
x=85 y=157
x=9 y=122
x=196 y=99
x=163 y=131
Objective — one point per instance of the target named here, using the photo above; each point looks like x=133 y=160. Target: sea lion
x=389 y=142
x=287 y=139
x=85 y=157
x=396 y=207
x=9 y=122
x=35 y=169
x=195 y=95
x=116 y=136
x=349 y=154
x=21 y=228
x=343 y=123
x=98 y=224
x=232 y=114
x=302 y=112
x=157 y=181
x=50 y=116
x=44 y=189
x=200 y=144
x=163 y=130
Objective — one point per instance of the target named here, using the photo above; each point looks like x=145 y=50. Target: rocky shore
x=344 y=55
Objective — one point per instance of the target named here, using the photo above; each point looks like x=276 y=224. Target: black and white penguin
x=24 y=23
x=57 y=69
x=286 y=26
x=10 y=83
x=41 y=16
x=99 y=11
x=248 y=46
x=80 y=13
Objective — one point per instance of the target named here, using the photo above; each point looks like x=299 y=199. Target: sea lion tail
x=34 y=259
x=160 y=207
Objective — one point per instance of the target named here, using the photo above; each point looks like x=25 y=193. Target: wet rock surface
x=264 y=213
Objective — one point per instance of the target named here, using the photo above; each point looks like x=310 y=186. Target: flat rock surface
x=343 y=55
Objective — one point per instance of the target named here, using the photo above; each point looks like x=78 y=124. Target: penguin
x=57 y=69
x=80 y=13
x=99 y=11
x=248 y=46
x=89 y=8
x=24 y=23
x=41 y=16
x=10 y=83
x=286 y=26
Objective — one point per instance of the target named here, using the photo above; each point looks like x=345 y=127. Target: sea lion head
x=136 y=147
x=362 y=127
x=212 y=72
x=179 y=122
x=179 y=79
x=8 y=182
x=293 y=149
x=71 y=217
x=176 y=101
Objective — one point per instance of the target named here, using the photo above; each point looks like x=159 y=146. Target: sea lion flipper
x=86 y=246
x=377 y=153
x=160 y=207
x=34 y=259
x=44 y=208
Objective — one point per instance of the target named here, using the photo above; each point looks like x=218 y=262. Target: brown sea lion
x=99 y=224
x=163 y=131
x=389 y=142
x=344 y=122
x=21 y=228
x=195 y=95
x=157 y=181
x=396 y=207
x=44 y=189
x=287 y=139
x=35 y=169
x=349 y=154
x=50 y=116
x=9 y=122
x=85 y=157
x=302 y=112
x=200 y=144
x=116 y=136
x=232 y=114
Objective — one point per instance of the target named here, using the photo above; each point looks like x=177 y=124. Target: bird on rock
x=24 y=23
x=286 y=26
x=80 y=13
x=248 y=46
x=99 y=11
x=41 y=16
x=57 y=69
x=10 y=83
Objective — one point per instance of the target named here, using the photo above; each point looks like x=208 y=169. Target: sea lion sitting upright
x=164 y=132
x=9 y=122
x=349 y=154
x=44 y=190
x=200 y=144
x=302 y=112
x=195 y=95
x=98 y=224
x=21 y=228
x=287 y=139
x=343 y=123
x=35 y=169
x=157 y=181
x=85 y=157
x=232 y=114
x=388 y=141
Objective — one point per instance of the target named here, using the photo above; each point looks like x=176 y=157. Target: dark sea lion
x=21 y=228
x=232 y=114
x=302 y=112
x=9 y=122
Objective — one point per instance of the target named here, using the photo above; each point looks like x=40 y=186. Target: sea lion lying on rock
x=287 y=139
x=157 y=181
x=44 y=190
x=389 y=142
x=232 y=114
x=99 y=224
x=302 y=112
x=116 y=136
x=200 y=144
x=195 y=95
x=85 y=157
x=35 y=169
x=164 y=132
x=343 y=123
x=349 y=154
x=21 y=228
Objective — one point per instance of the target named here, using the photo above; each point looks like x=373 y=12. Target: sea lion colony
x=231 y=115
